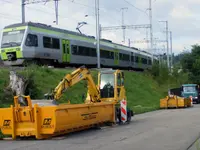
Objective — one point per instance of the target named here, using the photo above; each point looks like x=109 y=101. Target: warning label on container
x=89 y=116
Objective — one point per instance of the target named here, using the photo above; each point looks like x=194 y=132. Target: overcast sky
x=182 y=15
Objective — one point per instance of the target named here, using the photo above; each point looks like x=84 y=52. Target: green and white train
x=53 y=46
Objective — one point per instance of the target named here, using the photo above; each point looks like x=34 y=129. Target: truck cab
x=191 y=90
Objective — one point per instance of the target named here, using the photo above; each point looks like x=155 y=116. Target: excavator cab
x=111 y=85
x=107 y=84
x=111 y=88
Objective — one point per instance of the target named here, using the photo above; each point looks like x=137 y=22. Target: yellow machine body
x=45 y=118
x=174 y=102
x=47 y=121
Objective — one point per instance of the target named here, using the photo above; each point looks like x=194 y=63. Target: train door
x=116 y=57
x=65 y=50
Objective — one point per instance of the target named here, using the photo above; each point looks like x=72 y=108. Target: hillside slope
x=143 y=93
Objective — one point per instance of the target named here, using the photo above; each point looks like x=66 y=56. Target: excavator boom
x=75 y=77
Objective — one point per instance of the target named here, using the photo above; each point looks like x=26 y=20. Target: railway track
x=2 y=66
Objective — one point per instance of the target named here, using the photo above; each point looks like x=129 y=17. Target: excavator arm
x=71 y=79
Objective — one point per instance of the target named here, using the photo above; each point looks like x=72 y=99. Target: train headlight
x=18 y=49
x=2 y=50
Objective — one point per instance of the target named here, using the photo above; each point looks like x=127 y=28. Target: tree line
x=186 y=69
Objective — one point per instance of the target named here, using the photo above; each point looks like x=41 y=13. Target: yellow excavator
x=106 y=102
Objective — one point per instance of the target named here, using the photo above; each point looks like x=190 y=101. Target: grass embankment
x=143 y=93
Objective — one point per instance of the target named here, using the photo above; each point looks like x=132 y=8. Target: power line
x=62 y=17
x=6 y=16
x=100 y=8
x=126 y=27
x=135 y=7
x=26 y=2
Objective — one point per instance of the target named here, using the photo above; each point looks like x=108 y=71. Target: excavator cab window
x=118 y=79
x=107 y=83
x=122 y=78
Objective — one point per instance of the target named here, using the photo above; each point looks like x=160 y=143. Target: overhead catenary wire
x=135 y=7
x=100 y=9
x=61 y=16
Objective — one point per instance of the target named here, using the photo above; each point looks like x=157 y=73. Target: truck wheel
x=129 y=114
x=118 y=116
x=198 y=101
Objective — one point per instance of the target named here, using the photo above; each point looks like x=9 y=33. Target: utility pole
x=167 y=41
x=170 y=32
x=151 y=29
x=56 y=11
x=97 y=32
x=26 y=2
x=129 y=42
x=124 y=8
x=147 y=38
x=167 y=44
x=23 y=11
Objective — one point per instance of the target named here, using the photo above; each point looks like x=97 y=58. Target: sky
x=183 y=18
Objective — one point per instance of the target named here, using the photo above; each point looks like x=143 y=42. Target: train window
x=126 y=57
x=137 y=59
x=132 y=58
x=144 y=60
x=51 y=42
x=107 y=54
x=74 y=49
x=31 y=40
x=47 y=42
x=87 y=51
x=55 y=43
x=102 y=53
x=111 y=55
x=120 y=56
x=93 y=52
x=82 y=51
x=150 y=63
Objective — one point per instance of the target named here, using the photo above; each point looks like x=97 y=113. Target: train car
x=24 y=42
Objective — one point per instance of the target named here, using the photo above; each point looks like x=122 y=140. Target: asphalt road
x=173 y=129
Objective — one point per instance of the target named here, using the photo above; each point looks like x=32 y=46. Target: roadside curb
x=193 y=142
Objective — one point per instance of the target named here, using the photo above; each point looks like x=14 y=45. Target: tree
x=191 y=64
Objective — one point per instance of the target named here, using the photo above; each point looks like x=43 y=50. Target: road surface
x=171 y=129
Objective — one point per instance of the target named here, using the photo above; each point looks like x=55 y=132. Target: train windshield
x=12 y=39
x=189 y=89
